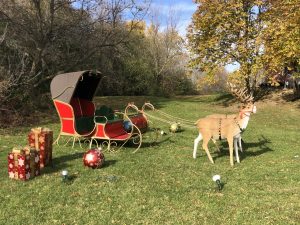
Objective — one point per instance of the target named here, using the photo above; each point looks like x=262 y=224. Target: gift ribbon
x=24 y=151
x=46 y=130
x=17 y=150
x=36 y=131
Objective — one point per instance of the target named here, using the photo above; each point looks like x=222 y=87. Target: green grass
x=163 y=184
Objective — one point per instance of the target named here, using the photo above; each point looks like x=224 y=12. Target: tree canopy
x=281 y=36
x=259 y=35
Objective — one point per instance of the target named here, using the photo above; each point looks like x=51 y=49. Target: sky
x=183 y=11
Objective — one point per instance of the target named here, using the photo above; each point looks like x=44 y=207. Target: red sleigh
x=73 y=94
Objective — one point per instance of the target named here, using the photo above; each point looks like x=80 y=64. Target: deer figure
x=229 y=128
x=237 y=143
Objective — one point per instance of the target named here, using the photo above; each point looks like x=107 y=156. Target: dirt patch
x=281 y=97
x=30 y=118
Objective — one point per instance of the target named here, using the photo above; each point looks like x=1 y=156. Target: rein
x=237 y=123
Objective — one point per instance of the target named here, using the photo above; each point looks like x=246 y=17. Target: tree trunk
x=296 y=88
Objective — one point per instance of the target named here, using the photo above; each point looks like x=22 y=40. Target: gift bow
x=22 y=150
x=36 y=131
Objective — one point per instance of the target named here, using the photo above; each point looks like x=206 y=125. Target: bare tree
x=165 y=46
x=60 y=35
x=54 y=32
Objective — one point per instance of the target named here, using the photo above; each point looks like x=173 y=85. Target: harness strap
x=241 y=129
x=220 y=123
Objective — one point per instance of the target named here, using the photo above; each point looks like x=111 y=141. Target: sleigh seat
x=109 y=126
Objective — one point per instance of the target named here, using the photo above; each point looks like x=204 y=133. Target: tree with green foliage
x=281 y=39
x=261 y=35
x=225 y=32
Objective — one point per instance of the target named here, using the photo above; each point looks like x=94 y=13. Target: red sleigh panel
x=64 y=110
x=67 y=126
x=100 y=131
x=66 y=115
x=115 y=130
x=140 y=121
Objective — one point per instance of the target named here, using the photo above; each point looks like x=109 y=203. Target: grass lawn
x=163 y=184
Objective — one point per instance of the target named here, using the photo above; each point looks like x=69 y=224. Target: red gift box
x=23 y=164
x=42 y=139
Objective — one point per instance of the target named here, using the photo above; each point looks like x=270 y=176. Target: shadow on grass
x=108 y=163
x=62 y=162
x=155 y=143
x=147 y=144
x=225 y=99
x=261 y=144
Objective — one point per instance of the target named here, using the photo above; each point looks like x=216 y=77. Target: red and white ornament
x=93 y=158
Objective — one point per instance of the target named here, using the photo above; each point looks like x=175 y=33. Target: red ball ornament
x=93 y=158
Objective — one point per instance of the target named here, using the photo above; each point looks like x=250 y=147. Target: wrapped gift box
x=23 y=163
x=42 y=139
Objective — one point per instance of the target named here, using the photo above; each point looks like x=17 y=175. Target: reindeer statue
x=237 y=141
x=225 y=127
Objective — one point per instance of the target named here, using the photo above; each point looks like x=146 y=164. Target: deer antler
x=240 y=94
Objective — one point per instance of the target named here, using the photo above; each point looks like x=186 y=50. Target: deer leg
x=230 y=144
x=204 y=145
x=240 y=143
x=236 y=149
x=196 y=142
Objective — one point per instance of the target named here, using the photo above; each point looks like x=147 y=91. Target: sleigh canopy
x=82 y=85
